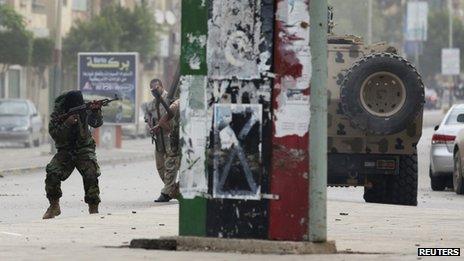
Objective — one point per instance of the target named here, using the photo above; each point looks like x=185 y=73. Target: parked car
x=20 y=122
x=441 y=152
x=431 y=99
x=458 y=152
x=138 y=129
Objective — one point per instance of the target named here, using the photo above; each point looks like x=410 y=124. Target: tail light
x=442 y=139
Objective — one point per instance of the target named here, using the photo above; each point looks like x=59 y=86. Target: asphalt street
x=123 y=188
x=362 y=231
x=126 y=187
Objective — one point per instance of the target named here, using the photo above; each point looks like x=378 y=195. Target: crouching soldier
x=75 y=149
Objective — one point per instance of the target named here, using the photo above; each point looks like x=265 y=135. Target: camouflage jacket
x=76 y=137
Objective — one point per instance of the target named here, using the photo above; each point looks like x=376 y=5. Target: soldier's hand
x=155 y=129
x=158 y=127
x=71 y=120
x=165 y=125
x=95 y=105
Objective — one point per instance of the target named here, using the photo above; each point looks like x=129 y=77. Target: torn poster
x=233 y=40
x=237 y=151
x=293 y=114
x=237 y=91
x=193 y=133
x=294 y=69
x=295 y=16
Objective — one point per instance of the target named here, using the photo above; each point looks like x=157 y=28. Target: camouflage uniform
x=165 y=162
x=76 y=149
x=172 y=161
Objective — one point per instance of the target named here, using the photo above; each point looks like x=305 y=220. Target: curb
x=120 y=160
x=245 y=246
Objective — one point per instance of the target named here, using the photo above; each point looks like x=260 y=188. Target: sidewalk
x=361 y=232
x=18 y=160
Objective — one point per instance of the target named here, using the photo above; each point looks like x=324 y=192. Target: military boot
x=163 y=198
x=53 y=210
x=93 y=208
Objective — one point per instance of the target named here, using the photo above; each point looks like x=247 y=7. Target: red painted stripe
x=288 y=217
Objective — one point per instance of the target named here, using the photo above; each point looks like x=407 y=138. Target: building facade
x=40 y=19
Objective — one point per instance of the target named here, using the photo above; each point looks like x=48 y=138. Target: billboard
x=450 y=62
x=104 y=75
x=416 y=21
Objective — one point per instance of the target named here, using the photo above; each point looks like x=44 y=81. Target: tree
x=350 y=17
x=116 y=29
x=15 y=40
x=42 y=57
x=438 y=31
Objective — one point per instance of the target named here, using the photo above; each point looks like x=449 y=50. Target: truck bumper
x=352 y=169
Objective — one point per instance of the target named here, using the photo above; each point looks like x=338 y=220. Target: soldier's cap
x=156 y=80
x=73 y=99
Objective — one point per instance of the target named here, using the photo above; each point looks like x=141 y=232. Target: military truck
x=375 y=107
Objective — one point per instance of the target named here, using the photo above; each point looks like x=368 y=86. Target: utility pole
x=418 y=44
x=450 y=17
x=318 y=126
x=369 y=22
x=56 y=86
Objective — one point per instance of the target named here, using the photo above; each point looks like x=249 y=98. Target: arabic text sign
x=450 y=62
x=416 y=22
x=102 y=75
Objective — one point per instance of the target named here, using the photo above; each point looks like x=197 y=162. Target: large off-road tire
x=376 y=193
x=458 y=180
x=437 y=183
x=399 y=189
x=382 y=94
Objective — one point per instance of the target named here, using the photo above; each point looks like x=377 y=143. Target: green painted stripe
x=192 y=217
x=194 y=37
x=192 y=212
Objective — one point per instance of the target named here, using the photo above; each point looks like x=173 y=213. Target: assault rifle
x=172 y=92
x=165 y=105
x=84 y=107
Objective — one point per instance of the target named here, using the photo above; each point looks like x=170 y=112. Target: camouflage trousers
x=167 y=165
x=61 y=167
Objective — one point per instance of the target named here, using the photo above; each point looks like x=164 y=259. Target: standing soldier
x=164 y=148
x=76 y=149
x=170 y=124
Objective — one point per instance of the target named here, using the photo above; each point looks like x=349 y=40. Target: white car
x=458 y=151
x=441 y=152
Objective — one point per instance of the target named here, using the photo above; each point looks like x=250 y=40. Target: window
x=79 y=5
x=13 y=83
x=2 y=85
x=13 y=108
x=38 y=6
x=453 y=116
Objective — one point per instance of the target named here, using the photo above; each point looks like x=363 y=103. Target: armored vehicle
x=376 y=100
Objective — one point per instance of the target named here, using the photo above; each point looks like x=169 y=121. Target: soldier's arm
x=164 y=121
x=57 y=129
